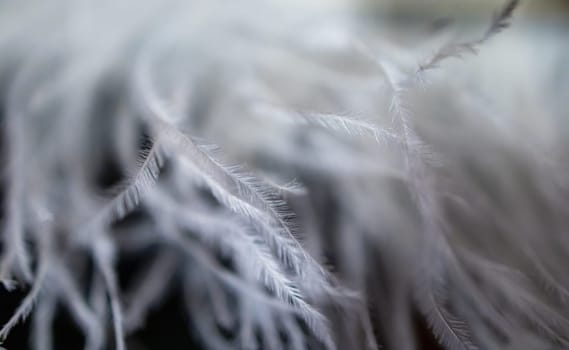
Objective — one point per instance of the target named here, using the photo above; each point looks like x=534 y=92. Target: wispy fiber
x=281 y=176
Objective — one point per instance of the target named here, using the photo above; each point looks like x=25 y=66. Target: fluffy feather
x=437 y=206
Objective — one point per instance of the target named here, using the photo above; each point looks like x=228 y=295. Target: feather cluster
x=282 y=171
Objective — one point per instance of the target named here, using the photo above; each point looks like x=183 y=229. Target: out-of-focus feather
x=42 y=323
x=343 y=124
x=452 y=332
x=27 y=303
x=71 y=296
x=500 y=21
x=103 y=252
x=149 y=290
